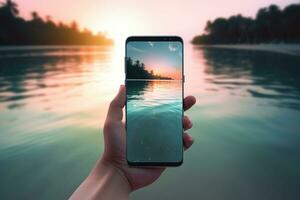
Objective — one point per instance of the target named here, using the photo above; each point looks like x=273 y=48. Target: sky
x=122 y=18
x=164 y=58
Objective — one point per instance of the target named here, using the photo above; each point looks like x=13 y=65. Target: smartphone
x=154 y=100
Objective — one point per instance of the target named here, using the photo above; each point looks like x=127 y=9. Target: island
x=14 y=30
x=136 y=70
x=271 y=25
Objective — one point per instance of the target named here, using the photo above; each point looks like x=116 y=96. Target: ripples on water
x=154 y=93
x=54 y=79
x=53 y=101
x=154 y=114
x=259 y=74
x=52 y=105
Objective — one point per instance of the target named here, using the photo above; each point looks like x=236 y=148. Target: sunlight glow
x=118 y=27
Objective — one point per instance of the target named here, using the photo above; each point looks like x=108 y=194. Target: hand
x=115 y=143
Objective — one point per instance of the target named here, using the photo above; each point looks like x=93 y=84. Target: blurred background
x=61 y=62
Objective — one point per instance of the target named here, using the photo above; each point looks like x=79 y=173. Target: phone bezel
x=157 y=39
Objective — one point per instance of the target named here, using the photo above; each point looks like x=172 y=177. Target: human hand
x=115 y=143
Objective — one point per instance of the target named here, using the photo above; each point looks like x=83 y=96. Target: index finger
x=115 y=110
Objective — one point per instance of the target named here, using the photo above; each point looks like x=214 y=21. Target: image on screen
x=154 y=101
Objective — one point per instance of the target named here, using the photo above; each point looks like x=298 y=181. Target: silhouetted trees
x=15 y=30
x=270 y=25
x=136 y=70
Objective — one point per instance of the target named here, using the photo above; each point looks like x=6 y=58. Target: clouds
x=162 y=53
x=135 y=48
x=151 y=44
x=173 y=46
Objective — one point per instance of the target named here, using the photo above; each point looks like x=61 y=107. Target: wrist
x=104 y=182
x=104 y=165
x=110 y=178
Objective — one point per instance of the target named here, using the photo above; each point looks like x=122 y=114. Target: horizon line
x=153 y=79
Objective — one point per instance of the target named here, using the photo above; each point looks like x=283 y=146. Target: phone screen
x=154 y=104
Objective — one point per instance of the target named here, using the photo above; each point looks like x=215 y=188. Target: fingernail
x=192 y=142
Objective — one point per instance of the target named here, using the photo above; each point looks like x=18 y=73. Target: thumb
x=115 y=111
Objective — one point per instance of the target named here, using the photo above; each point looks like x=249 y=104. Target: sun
x=118 y=26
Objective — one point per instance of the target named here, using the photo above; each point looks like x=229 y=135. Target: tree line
x=271 y=25
x=136 y=70
x=14 y=30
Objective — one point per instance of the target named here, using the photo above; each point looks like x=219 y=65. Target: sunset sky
x=164 y=58
x=121 y=18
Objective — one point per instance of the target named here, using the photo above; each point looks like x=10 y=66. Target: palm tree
x=35 y=16
x=137 y=63
x=11 y=6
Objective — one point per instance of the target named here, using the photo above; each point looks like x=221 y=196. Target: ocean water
x=154 y=120
x=53 y=102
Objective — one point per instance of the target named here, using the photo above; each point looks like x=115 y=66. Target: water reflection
x=54 y=88
x=259 y=74
x=154 y=130
x=53 y=102
x=47 y=79
x=154 y=92
x=137 y=89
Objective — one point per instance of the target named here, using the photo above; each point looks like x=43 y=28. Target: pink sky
x=121 y=18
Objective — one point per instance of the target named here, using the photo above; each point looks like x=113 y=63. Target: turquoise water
x=154 y=121
x=53 y=103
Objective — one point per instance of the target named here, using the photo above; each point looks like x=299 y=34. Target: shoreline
x=43 y=47
x=290 y=49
